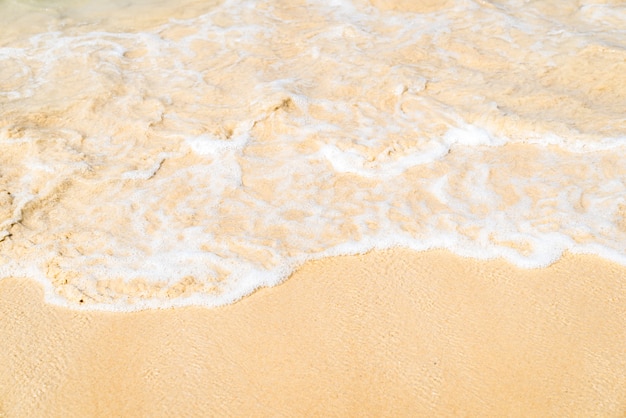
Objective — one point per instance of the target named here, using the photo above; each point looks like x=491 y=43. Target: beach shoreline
x=388 y=333
x=158 y=154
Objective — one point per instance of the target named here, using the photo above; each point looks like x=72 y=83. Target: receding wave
x=192 y=155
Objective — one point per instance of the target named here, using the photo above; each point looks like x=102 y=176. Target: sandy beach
x=395 y=333
x=183 y=187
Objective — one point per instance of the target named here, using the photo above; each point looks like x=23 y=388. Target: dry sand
x=393 y=333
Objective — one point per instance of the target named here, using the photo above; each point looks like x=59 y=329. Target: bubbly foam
x=193 y=157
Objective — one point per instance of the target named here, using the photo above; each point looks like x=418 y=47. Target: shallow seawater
x=155 y=154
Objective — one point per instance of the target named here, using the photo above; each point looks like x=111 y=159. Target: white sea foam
x=192 y=157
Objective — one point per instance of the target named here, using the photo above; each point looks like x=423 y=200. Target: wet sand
x=394 y=333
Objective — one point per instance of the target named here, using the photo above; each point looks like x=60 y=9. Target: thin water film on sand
x=190 y=156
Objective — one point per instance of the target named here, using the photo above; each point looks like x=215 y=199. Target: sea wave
x=191 y=158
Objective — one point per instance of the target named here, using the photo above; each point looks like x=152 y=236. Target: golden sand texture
x=394 y=333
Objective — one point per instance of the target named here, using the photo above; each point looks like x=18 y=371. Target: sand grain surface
x=394 y=333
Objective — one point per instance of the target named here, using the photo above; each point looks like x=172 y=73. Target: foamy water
x=156 y=155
